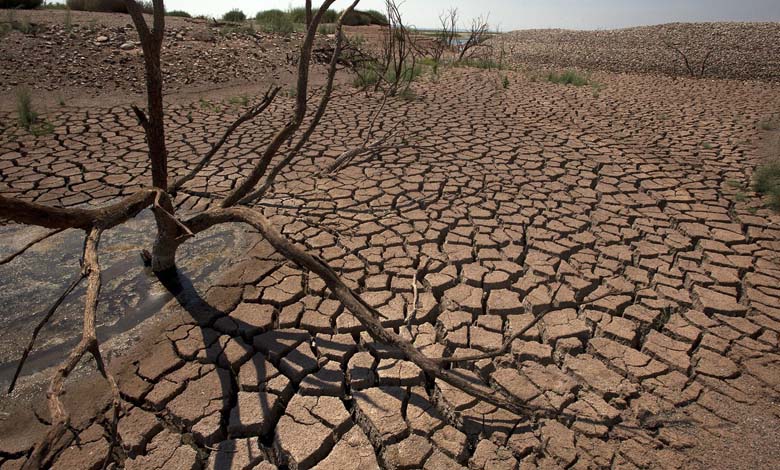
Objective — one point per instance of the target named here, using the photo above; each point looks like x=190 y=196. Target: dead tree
x=693 y=71
x=478 y=34
x=394 y=70
x=173 y=231
x=445 y=38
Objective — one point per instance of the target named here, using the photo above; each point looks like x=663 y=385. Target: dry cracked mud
x=620 y=217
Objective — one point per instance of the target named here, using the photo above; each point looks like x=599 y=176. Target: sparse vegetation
x=568 y=77
x=486 y=63
x=766 y=181
x=298 y=15
x=505 y=82
x=26 y=116
x=108 y=6
x=235 y=16
x=275 y=21
x=327 y=29
x=241 y=100
x=179 y=13
x=769 y=124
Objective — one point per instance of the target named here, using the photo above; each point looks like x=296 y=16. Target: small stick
x=40 y=325
x=26 y=247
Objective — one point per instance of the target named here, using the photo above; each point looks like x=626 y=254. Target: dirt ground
x=621 y=212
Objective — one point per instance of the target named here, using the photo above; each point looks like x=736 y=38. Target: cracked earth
x=618 y=217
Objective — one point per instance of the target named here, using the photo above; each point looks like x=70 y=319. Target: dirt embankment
x=743 y=51
x=88 y=55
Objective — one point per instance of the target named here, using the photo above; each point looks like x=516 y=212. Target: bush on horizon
x=106 y=6
x=235 y=15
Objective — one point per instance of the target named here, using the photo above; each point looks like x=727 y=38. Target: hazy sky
x=522 y=14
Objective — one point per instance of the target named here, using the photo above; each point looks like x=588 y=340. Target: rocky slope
x=736 y=50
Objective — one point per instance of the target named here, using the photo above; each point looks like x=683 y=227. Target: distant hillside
x=736 y=50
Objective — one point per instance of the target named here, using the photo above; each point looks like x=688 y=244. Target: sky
x=509 y=15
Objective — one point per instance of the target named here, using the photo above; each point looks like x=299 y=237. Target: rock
x=127 y=46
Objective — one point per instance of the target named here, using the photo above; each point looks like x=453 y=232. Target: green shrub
x=179 y=13
x=365 y=76
x=408 y=74
x=377 y=17
x=327 y=29
x=109 y=6
x=21 y=4
x=275 y=21
x=365 y=18
x=766 y=181
x=235 y=15
x=505 y=82
x=24 y=110
x=569 y=77
x=298 y=15
x=488 y=64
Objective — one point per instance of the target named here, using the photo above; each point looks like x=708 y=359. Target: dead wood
x=29 y=245
x=171 y=232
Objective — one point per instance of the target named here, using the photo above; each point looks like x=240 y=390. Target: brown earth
x=622 y=214
x=745 y=51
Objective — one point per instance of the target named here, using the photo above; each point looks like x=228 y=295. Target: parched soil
x=622 y=215
x=745 y=51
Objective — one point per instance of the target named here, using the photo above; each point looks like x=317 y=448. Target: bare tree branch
x=289 y=129
x=365 y=314
x=44 y=452
x=46 y=317
x=478 y=34
x=324 y=101
x=54 y=217
x=252 y=113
